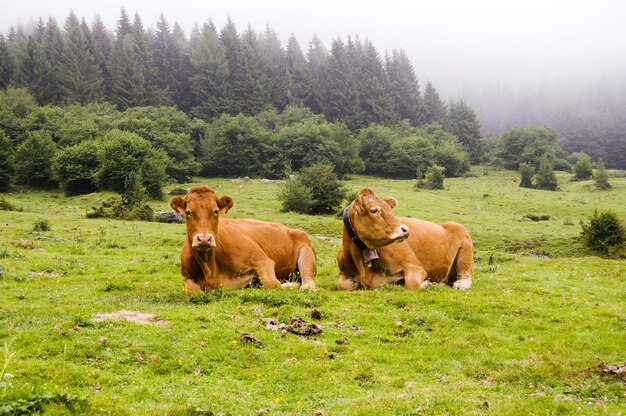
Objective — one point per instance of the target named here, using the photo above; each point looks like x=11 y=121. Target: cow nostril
x=404 y=229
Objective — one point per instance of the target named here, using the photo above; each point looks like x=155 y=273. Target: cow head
x=202 y=208
x=374 y=223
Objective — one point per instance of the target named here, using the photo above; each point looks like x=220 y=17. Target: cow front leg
x=415 y=278
x=347 y=283
x=190 y=286
x=267 y=275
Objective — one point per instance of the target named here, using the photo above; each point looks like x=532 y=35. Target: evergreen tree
x=234 y=57
x=434 y=109
x=101 y=44
x=274 y=62
x=6 y=161
x=583 y=169
x=80 y=74
x=526 y=172
x=316 y=56
x=546 y=179
x=33 y=69
x=299 y=89
x=210 y=68
x=338 y=91
x=404 y=87
x=123 y=26
x=147 y=91
x=601 y=177
x=375 y=97
x=253 y=89
x=462 y=122
x=167 y=62
x=53 y=46
x=6 y=63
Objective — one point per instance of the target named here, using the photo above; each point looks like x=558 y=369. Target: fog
x=468 y=49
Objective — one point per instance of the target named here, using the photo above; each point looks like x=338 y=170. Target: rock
x=169 y=217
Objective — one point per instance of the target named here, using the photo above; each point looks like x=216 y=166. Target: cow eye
x=216 y=211
x=375 y=210
x=188 y=213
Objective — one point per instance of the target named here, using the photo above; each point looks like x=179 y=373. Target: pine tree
x=299 y=89
x=166 y=60
x=583 y=169
x=53 y=45
x=338 y=91
x=546 y=179
x=79 y=71
x=526 y=172
x=462 y=122
x=274 y=62
x=102 y=44
x=317 y=55
x=375 y=97
x=404 y=87
x=123 y=27
x=232 y=50
x=32 y=69
x=210 y=68
x=255 y=85
x=601 y=177
x=434 y=109
x=6 y=63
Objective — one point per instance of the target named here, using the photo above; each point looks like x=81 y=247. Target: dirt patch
x=130 y=316
x=296 y=326
x=249 y=338
x=618 y=370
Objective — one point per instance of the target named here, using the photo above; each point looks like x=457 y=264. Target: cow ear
x=225 y=203
x=393 y=202
x=178 y=204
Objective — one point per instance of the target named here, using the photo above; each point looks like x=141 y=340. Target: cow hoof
x=290 y=285
x=308 y=286
x=424 y=284
x=462 y=284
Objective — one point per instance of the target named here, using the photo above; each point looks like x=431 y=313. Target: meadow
x=531 y=337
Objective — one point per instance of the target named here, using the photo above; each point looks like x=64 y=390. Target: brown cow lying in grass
x=238 y=251
x=378 y=248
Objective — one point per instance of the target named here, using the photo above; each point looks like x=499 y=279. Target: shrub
x=6 y=161
x=75 y=168
x=601 y=177
x=433 y=178
x=6 y=205
x=583 y=169
x=33 y=160
x=120 y=153
x=114 y=207
x=41 y=224
x=315 y=190
x=604 y=232
x=546 y=179
x=526 y=172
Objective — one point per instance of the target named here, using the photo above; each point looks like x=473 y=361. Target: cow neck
x=367 y=254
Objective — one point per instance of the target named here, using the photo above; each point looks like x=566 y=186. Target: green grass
x=528 y=338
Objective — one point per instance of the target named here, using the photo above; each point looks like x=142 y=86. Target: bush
x=6 y=205
x=75 y=168
x=433 y=178
x=546 y=179
x=120 y=153
x=316 y=190
x=41 y=224
x=6 y=161
x=33 y=160
x=604 y=232
x=601 y=177
x=114 y=207
x=526 y=172
x=583 y=169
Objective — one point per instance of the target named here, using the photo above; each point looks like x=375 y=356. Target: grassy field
x=528 y=338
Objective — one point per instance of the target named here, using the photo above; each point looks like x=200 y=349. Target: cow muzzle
x=400 y=234
x=203 y=242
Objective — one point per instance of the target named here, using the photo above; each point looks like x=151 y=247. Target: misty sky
x=456 y=44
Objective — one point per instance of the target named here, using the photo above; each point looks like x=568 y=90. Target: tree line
x=213 y=72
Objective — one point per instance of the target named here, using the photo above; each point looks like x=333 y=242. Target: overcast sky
x=456 y=44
